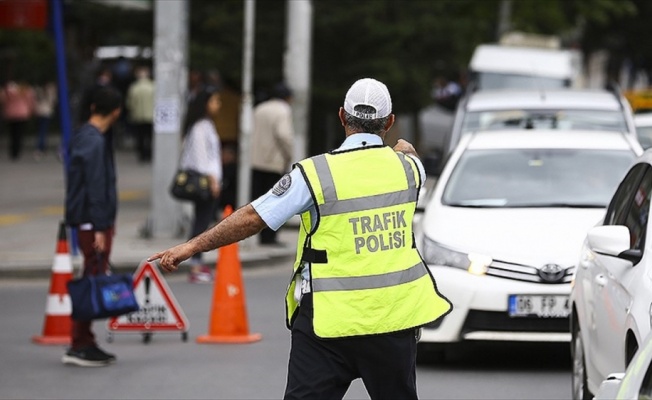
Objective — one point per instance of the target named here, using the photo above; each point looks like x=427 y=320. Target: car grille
x=499 y=321
x=527 y=273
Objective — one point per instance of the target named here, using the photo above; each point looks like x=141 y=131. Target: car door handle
x=601 y=280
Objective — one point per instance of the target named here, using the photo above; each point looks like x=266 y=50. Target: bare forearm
x=240 y=225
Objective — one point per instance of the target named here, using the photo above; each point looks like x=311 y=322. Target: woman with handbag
x=201 y=153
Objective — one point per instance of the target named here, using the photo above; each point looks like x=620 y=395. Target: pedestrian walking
x=140 y=107
x=46 y=101
x=271 y=153
x=360 y=290
x=18 y=103
x=91 y=208
x=201 y=152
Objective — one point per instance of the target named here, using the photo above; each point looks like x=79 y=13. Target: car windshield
x=491 y=80
x=544 y=119
x=536 y=178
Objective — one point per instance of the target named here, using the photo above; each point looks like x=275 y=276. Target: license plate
x=544 y=306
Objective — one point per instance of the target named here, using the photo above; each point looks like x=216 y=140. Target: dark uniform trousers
x=324 y=368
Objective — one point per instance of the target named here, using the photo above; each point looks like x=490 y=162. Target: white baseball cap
x=368 y=92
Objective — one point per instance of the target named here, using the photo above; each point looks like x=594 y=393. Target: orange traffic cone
x=228 y=321
x=56 y=329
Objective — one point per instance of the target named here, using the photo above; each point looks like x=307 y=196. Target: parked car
x=564 y=109
x=643 y=122
x=633 y=384
x=502 y=229
x=611 y=298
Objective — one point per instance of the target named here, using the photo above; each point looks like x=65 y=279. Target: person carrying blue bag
x=91 y=207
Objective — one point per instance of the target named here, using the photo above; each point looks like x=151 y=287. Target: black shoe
x=110 y=357
x=86 y=357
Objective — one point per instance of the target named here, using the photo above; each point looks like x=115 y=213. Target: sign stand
x=159 y=310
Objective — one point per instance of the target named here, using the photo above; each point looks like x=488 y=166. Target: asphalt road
x=168 y=368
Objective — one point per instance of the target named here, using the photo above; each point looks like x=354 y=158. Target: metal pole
x=297 y=69
x=504 y=18
x=246 y=113
x=64 y=104
x=62 y=79
x=171 y=77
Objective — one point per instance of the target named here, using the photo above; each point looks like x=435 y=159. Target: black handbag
x=102 y=296
x=190 y=185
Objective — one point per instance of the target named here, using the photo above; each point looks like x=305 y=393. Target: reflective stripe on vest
x=369 y=282
x=333 y=206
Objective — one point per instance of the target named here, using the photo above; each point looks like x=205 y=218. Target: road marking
x=131 y=195
x=12 y=219
x=51 y=210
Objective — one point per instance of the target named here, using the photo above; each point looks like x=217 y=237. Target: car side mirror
x=614 y=241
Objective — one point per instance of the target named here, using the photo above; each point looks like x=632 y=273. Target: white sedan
x=502 y=229
x=612 y=293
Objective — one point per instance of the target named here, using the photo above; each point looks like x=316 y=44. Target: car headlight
x=436 y=254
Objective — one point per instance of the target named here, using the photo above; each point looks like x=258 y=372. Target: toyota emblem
x=552 y=273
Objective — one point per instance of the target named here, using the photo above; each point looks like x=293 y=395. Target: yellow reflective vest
x=367 y=276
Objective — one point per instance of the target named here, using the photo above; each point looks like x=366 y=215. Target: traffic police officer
x=360 y=289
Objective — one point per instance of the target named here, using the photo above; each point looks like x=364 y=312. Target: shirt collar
x=361 y=140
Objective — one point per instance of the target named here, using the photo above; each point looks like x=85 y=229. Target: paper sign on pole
x=159 y=310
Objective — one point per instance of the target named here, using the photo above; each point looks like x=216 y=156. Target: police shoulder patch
x=282 y=185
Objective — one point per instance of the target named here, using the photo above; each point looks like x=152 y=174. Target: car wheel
x=580 y=387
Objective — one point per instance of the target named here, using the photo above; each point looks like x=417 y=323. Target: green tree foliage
x=216 y=34
x=26 y=55
x=404 y=43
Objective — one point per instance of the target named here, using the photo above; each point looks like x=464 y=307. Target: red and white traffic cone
x=57 y=325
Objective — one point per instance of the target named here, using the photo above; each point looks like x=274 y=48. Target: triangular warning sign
x=159 y=310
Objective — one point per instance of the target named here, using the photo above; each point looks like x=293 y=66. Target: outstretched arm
x=240 y=225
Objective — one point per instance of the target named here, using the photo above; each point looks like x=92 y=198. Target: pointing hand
x=170 y=259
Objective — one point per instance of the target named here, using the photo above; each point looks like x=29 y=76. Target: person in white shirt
x=201 y=152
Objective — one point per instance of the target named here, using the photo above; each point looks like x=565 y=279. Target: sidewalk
x=31 y=207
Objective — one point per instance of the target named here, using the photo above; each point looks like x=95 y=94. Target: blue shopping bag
x=102 y=296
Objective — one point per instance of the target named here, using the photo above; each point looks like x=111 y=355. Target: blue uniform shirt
x=291 y=196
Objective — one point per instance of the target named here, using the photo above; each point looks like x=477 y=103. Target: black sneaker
x=86 y=357
x=110 y=357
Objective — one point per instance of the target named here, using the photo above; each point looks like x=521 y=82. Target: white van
x=495 y=66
